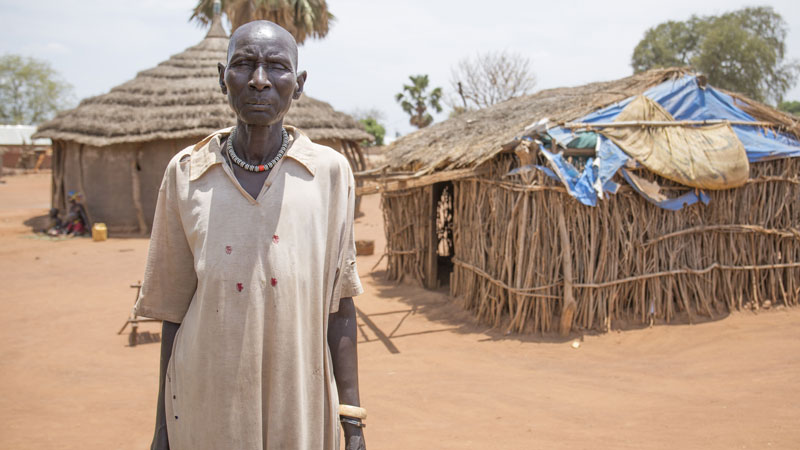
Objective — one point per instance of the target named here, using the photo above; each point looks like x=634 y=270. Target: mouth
x=258 y=100
x=258 y=105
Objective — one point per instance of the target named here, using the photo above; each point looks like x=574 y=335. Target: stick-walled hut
x=534 y=233
x=115 y=147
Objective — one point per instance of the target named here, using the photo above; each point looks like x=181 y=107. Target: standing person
x=252 y=269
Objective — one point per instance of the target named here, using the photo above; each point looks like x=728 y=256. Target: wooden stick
x=683 y=272
x=519 y=188
x=569 y=306
x=379 y=172
x=769 y=179
x=136 y=192
x=504 y=285
x=790 y=233
x=389 y=184
x=663 y=123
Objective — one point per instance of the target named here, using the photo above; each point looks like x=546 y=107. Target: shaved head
x=267 y=29
x=261 y=78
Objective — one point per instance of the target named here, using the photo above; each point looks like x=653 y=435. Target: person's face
x=261 y=79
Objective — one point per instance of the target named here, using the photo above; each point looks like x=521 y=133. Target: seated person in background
x=76 y=222
x=55 y=224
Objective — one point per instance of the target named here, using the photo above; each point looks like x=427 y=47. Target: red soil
x=437 y=380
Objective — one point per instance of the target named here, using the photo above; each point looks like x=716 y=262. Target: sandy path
x=435 y=380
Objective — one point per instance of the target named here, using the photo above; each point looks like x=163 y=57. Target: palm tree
x=415 y=100
x=303 y=18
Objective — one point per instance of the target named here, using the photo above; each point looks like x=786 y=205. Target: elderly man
x=252 y=269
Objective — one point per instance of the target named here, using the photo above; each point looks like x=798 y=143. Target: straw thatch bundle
x=530 y=258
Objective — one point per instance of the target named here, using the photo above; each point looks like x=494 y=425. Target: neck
x=256 y=144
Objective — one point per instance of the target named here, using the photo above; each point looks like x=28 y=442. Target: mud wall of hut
x=631 y=262
x=119 y=182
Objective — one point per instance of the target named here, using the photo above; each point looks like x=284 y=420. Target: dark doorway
x=443 y=196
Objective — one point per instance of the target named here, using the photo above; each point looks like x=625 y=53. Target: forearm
x=342 y=334
x=342 y=331
x=168 y=332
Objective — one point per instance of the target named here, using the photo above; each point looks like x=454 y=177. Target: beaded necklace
x=260 y=167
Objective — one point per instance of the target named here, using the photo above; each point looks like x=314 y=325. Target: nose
x=260 y=79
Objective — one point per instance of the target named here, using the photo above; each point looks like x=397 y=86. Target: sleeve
x=170 y=280
x=348 y=284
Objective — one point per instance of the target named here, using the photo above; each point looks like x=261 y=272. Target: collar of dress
x=206 y=153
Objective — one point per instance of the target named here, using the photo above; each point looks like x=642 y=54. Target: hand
x=353 y=437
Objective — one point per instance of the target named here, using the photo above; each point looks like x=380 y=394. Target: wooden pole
x=663 y=123
x=431 y=257
x=569 y=306
x=136 y=192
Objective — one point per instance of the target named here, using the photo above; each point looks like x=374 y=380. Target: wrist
x=352 y=430
x=352 y=420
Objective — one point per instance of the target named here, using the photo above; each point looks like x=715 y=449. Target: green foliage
x=374 y=128
x=792 y=107
x=669 y=44
x=742 y=51
x=302 y=18
x=415 y=100
x=30 y=90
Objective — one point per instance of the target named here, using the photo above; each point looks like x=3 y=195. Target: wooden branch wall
x=631 y=261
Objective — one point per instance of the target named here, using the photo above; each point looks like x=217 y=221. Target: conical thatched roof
x=180 y=98
x=475 y=137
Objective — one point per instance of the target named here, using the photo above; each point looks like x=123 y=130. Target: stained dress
x=252 y=282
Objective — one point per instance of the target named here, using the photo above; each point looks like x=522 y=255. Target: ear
x=221 y=70
x=301 y=82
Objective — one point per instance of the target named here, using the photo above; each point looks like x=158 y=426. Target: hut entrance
x=443 y=201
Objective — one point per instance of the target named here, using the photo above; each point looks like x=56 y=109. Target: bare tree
x=490 y=78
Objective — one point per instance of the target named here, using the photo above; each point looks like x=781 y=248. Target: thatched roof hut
x=478 y=202
x=114 y=147
x=477 y=136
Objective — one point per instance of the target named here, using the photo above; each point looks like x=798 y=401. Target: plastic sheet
x=684 y=99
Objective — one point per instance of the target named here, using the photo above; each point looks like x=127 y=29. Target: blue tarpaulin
x=684 y=99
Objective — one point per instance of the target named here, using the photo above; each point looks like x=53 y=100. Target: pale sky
x=372 y=48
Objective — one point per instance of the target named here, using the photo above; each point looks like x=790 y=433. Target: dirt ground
x=430 y=376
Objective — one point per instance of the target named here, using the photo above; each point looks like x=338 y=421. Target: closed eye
x=278 y=66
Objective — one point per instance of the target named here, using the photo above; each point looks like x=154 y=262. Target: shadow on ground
x=38 y=224
x=439 y=307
